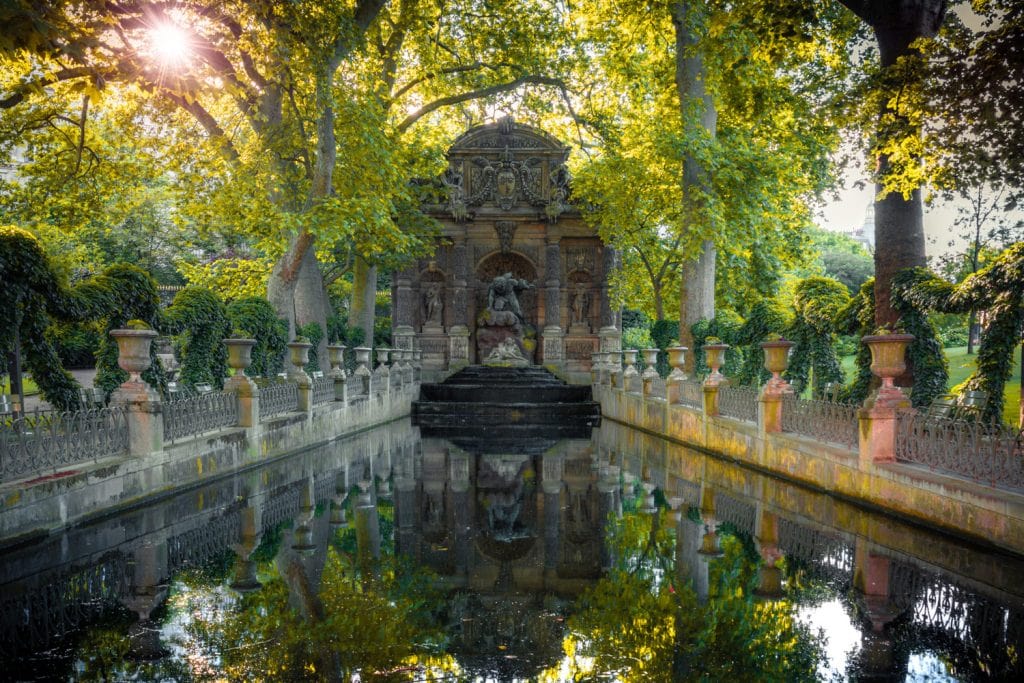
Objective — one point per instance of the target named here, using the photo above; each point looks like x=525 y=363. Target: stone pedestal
x=611 y=339
x=145 y=417
x=579 y=352
x=458 y=347
x=553 y=346
x=248 y=399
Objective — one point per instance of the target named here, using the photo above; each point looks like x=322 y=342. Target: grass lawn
x=960 y=367
x=27 y=384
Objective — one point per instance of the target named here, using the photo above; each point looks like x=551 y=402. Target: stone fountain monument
x=516 y=276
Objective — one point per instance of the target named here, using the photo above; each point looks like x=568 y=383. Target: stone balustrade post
x=142 y=404
x=675 y=379
x=245 y=390
x=766 y=540
x=362 y=371
x=336 y=354
x=776 y=389
x=297 y=373
x=879 y=418
x=615 y=369
x=710 y=398
x=650 y=370
x=630 y=375
x=417 y=364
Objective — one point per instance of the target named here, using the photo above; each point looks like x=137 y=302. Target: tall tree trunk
x=899 y=227
x=697 y=295
x=364 y=298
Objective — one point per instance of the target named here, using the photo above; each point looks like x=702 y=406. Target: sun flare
x=170 y=44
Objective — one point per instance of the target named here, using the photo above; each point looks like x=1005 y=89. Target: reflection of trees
x=348 y=619
x=644 y=622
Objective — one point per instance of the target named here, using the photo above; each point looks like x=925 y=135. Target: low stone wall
x=952 y=503
x=36 y=506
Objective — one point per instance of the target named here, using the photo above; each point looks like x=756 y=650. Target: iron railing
x=691 y=394
x=741 y=514
x=827 y=555
x=822 y=420
x=35 y=443
x=194 y=415
x=278 y=398
x=323 y=390
x=658 y=388
x=990 y=454
x=738 y=402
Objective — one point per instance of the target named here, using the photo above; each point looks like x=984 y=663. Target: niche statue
x=503 y=334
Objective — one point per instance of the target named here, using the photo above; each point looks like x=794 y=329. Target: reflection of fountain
x=502 y=489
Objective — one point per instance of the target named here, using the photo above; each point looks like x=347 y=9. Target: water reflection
x=400 y=556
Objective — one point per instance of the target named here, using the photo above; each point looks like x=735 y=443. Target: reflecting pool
x=522 y=555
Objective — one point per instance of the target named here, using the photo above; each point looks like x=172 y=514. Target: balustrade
x=738 y=402
x=189 y=416
x=822 y=420
x=40 y=442
x=278 y=398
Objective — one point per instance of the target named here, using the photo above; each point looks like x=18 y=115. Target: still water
x=401 y=556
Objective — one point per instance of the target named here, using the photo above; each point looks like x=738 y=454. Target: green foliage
x=817 y=303
x=725 y=326
x=999 y=289
x=39 y=297
x=637 y=338
x=199 y=319
x=850 y=269
x=764 y=319
x=928 y=363
x=313 y=334
x=258 y=317
x=76 y=343
x=644 y=622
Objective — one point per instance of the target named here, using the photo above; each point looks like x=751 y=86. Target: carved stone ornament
x=506 y=232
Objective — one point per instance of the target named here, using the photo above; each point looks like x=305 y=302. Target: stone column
x=553 y=336
x=878 y=421
x=405 y=310
x=553 y=467
x=878 y=658
x=458 y=335
x=611 y=332
x=462 y=502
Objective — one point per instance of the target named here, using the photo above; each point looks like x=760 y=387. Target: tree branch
x=19 y=95
x=208 y=123
x=529 y=79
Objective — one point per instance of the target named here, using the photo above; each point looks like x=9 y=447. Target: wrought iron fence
x=738 y=402
x=39 y=442
x=740 y=513
x=822 y=420
x=658 y=388
x=323 y=390
x=691 y=394
x=990 y=454
x=961 y=613
x=45 y=615
x=210 y=540
x=277 y=398
x=828 y=556
x=193 y=415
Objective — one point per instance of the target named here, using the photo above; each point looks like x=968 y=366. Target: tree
x=299 y=110
x=896 y=135
x=744 y=189
x=852 y=270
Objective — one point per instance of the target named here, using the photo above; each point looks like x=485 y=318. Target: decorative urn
x=299 y=353
x=133 y=351
x=239 y=353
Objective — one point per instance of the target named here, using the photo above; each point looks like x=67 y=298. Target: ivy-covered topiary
x=200 y=320
x=36 y=297
x=259 y=318
x=817 y=304
x=765 y=318
x=998 y=288
x=924 y=355
x=663 y=333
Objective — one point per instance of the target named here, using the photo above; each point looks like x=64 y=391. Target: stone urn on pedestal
x=336 y=357
x=888 y=361
x=677 y=359
x=776 y=360
x=299 y=357
x=133 y=355
x=239 y=353
x=714 y=356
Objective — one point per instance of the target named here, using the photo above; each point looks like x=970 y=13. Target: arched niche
x=498 y=263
